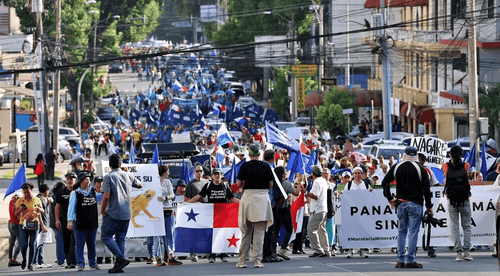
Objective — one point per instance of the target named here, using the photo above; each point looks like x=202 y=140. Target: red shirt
x=258 y=137
x=13 y=218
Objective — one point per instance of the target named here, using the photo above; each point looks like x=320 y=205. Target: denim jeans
x=114 y=227
x=60 y=255
x=38 y=258
x=158 y=246
x=464 y=210
x=410 y=217
x=85 y=236
x=149 y=244
x=283 y=218
x=14 y=247
x=169 y=234
x=27 y=238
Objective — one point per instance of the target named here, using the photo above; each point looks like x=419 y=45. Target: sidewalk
x=6 y=170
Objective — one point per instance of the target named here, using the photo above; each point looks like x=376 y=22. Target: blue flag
x=297 y=165
x=277 y=137
x=233 y=172
x=78 y=148
x=223 y=136
x=439 y=174
x=484 y=165
x=156 y=157
x=472 y=157
x=311 y=162
x=458 y=141
x=17 y=182
x=184 y=172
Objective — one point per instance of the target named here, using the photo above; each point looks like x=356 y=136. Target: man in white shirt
x=318 y=208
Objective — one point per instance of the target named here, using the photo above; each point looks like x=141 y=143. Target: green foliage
x=490 y=102
x=280 y=102
x=138 y=30
x=330 y=114
x=89 y=117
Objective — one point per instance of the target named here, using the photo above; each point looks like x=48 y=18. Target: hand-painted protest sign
x=368 y=220
x=146 y=215
x=434 y=149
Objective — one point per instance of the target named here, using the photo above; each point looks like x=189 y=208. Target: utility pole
x=386 y=81
x=93 y=59
x=348 y=65
x=294 y=82
x=472 y=73
x=194 y=23
x=321 y=44
x=56 y=80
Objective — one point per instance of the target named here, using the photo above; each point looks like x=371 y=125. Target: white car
x=245 y=100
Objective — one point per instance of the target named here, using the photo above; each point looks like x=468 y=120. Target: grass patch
x=29 y=174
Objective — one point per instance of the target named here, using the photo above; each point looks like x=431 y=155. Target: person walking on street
x=45 y=200
x=14 y=240
x=82 y=219
x=318 y=208
x=59 y=239
x=61 y=215
x=115 y=210
x=412 y=187
x=28 y=208
x=40 y=169
x=255 y=214
x=215 y=192
x=193 y=188
x=50 y=157
x=458 y=193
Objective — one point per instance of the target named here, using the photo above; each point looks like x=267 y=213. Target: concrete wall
x=5 y=124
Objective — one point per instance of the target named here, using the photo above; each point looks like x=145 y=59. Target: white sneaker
x=46 y=265
x=350 y=253
x=211 y=260
x=363 y=254
x=460 y=256
x=241 y=264
x=194 y=258
x=257 y=264
x=37 y=266
x=467 y=256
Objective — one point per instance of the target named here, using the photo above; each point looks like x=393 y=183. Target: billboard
x=272 y=54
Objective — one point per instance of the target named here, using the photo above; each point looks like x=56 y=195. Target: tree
x=330 y=115
x=490 y=103
x=280 y=101
x=77 y=32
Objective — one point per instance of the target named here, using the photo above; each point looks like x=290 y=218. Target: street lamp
x=291 y=34
x=348 y=66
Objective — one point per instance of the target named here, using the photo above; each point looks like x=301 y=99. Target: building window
x=487 y=8
x=459 y=9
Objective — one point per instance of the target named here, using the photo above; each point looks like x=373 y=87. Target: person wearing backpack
x=457 y=190
x=357 y=183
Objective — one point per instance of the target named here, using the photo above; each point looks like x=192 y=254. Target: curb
x=4 y=246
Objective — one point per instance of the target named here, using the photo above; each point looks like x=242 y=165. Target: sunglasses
x=199 y=171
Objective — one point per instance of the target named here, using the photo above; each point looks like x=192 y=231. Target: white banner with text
x=368 y=220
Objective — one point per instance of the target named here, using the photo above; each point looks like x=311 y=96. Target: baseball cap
x=346 y=174
x=71 y=175
x=217 y=170
x=316 y=170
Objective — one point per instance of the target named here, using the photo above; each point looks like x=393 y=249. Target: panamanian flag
x=207 y=228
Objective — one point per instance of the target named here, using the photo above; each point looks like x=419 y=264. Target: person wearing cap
x=346 y=177
x=115 y=209
x=318 y=209
x=61 y=216
x=216 y=192
x=83 y=219
x=180 y=188
x=28 y=209
x=13 y=225
x=255 y=214
x=411 y=190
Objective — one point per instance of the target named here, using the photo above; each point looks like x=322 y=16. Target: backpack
x=350 y=184
x=457 y=185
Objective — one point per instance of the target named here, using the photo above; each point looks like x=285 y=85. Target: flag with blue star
x=207 y=228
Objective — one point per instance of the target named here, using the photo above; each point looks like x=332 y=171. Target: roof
x=371 y=4
x=10 y=88
x=14 y=43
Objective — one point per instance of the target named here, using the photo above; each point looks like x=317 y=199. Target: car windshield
x=387 y=152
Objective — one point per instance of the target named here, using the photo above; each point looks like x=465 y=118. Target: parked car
x=106 y=100
x=69 y=135
x=245 y=100
x=387 y=150
x=284 y=125
x=303 y=121
x=115 y=67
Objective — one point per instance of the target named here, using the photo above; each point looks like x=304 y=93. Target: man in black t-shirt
x=255 y=212
x=61 y=215
x=215 y=192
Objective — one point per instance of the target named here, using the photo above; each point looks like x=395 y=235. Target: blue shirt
x=72 y=201
x=119 y=184
x=271 y=196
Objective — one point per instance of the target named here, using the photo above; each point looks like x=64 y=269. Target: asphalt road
x=377 y=264
x=124 y=83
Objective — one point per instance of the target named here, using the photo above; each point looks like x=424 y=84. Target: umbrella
x=359 y=156
x=314 y=98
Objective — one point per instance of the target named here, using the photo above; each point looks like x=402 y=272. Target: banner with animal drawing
x=146 y=212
